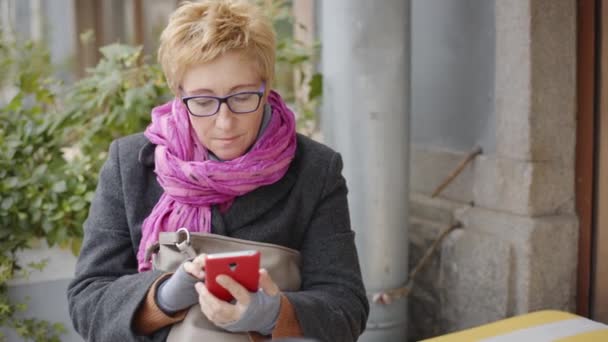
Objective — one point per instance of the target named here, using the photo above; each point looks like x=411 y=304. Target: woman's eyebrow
x=230 y=91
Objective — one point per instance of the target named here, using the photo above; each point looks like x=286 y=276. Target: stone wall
x=517 y=250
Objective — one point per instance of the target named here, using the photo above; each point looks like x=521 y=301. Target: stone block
x=424 y=319
x=475 y=279
x=544 y=256
x=434 y=209
x=428 y=218
x=422 y=233
x=553 y=265
x=553 y=79
x=523 y=188
x=512 y=78
x=430 y=166
x=536 y=80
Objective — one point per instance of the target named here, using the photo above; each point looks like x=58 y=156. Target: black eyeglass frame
x=224 y=99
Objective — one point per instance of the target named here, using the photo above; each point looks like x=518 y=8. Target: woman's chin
x=227 y=153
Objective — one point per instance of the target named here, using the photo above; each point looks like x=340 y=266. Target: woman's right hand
x=178 y=291
x=196 y=267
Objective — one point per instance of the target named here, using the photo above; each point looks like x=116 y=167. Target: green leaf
x=120 y=51
x=22 y=307
x=316 y=86
x=23 y=330
x=80 y=188
x=299 y=59
x=87 y=37
x=39 y=266
x=7 y=203
x=57 y=216
x=89 y=196
x=47 y=226
x=76 y=245
x=78 y=206
x=15 y=103
x=22 y=216
x=64 y=244
x=45 y=96
x=28 y=81
x=60 y=187
x=59 y=328
x=40 y=170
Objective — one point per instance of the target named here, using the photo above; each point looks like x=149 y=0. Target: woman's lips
x=227 y=141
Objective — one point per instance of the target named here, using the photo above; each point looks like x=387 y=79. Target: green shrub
x=38 y=197
x=53 y=141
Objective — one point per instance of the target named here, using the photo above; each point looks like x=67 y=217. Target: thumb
x=267 y=284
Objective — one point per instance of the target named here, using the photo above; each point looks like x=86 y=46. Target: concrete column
x=365 y=64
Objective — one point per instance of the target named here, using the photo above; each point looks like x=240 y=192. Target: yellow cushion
x=537 y=326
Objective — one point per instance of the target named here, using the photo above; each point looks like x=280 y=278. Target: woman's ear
x=265 y=96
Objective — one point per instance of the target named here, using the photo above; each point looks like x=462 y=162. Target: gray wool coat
x=306 y=210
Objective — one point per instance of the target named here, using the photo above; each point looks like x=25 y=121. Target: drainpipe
x=365 y=116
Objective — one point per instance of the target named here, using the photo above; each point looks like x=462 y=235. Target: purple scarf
x=192 y=182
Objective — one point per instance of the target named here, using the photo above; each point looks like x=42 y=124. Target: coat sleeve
x=332 y=303
x=107 y=290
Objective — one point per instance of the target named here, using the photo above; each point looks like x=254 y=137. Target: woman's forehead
x=228 y=73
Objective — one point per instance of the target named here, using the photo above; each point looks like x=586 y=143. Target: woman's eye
x=204 y=102
x=243 y=97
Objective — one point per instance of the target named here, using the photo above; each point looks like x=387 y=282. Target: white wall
x=453 y=74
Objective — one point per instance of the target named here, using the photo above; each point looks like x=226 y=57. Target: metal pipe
x=365 y=63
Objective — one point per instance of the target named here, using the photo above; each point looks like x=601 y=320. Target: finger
x=267 y=284
x=206 y=300
x=209 y=297
x=200 y=260
x=215 y=309
x=194 y=270
x=236 y=290
x=199 y=287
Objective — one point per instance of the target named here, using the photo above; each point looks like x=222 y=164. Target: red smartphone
x=241 y=266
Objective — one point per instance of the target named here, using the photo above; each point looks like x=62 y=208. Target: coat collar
x=146 y=154
x=246 y=208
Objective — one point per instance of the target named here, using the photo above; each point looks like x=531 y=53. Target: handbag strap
x=174 y=238
x=182 y=242
x=151 y=250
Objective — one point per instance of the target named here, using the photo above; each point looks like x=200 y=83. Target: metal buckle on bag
x=183 y=243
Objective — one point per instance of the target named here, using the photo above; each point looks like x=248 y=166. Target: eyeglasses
x=238 y=103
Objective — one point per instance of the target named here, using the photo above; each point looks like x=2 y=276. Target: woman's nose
x=225 y=118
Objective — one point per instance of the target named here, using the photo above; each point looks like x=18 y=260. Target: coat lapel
x=154 y=190
x=248 y=207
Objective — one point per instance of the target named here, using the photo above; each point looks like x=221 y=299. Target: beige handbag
x=282 y=263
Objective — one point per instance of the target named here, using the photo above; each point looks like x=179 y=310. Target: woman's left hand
x=221 y=312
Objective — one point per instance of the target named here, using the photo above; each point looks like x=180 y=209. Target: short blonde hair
x=199 y=32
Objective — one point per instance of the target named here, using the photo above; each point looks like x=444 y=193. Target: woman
x=222 y=157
